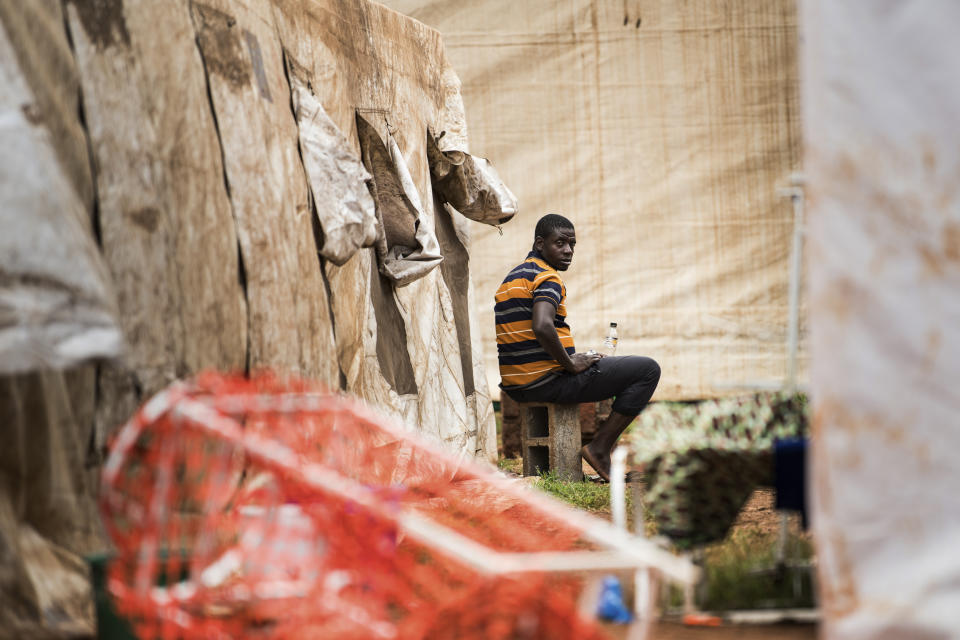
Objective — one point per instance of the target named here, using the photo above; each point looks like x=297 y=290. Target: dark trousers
x=631 y=379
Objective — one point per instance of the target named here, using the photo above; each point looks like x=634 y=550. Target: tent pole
x=795 y=193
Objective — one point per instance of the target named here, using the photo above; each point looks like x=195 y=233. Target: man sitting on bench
x=538 y=362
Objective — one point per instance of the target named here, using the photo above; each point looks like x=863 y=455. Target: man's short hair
x=550 y=223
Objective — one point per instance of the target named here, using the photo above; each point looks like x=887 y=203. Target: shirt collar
x=539 y=256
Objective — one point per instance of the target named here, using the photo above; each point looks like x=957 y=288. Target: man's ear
x=538 y=243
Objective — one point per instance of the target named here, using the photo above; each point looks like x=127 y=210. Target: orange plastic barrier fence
x=269 y=508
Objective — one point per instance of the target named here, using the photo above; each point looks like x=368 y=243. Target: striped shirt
x=523 y=361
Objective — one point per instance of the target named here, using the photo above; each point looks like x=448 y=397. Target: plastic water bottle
x=609 y=347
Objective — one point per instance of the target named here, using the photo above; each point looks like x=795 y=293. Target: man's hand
x=581 y=361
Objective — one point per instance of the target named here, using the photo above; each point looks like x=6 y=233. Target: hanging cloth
x=337 y=179
x=407 y=247
x=469 y=184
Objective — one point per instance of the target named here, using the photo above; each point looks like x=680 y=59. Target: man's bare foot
x=603 y=470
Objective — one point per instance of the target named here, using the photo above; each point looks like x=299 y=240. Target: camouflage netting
x=705 y=459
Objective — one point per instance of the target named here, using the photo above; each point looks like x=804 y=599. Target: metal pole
x=618 y=494
x=795 y=192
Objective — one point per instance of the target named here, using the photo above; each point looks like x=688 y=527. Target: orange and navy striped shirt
x=523 y=361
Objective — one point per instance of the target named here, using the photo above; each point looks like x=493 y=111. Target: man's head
x=555 y=239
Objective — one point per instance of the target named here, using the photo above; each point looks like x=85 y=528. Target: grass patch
x=512 y=465
x=589 y=496
x=741 y=573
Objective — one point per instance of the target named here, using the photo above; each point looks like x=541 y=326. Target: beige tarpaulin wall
x=663 y=129
x=171 y=141
x=204 y=86
x=56 y=310
x=881 y=116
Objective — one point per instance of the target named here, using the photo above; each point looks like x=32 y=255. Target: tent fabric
x=471 y=185
x=664 y=130
x=167 y=229
x=42 y=50
x=250 y=99
x=48 y=519
x=57 y=308
x=427 y=256
x=209 y=238
x=455 y=272
x=882 y=160
x=407 y=247
x=343 y=206
x=181 y=195
x=396 y=212
x=408 y=83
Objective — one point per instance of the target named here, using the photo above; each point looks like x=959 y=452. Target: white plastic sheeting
x=881 y=116
x=57 y=308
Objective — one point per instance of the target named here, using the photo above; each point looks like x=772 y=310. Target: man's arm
x=543 y=315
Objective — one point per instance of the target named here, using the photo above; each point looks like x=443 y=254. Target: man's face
x=557 y=248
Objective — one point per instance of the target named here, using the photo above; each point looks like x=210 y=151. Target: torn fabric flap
x=470 y=184
x=337 y=179
x=407 y=247
x=57 y=304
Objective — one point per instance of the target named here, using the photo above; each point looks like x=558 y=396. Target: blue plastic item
x=610 y=606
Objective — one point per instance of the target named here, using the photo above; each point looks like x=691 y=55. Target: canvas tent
x=880 y=118
x=199 y=196
x=665 y=130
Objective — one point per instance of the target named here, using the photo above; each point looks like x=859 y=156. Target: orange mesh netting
x=266 y=508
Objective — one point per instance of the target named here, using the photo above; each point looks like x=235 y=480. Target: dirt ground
x=758 y=515
x=677 y=631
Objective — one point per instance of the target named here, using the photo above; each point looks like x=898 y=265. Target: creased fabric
x=337 y=179
x=470 y=184
x=57 y=304
x=407 y=247
x=48 y=519
x=880 y=114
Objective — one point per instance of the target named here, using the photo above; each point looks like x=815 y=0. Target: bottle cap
x=613 y=324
